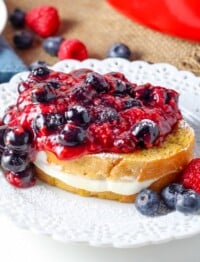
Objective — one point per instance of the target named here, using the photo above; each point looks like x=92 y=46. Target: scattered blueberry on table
x=119 y=50
x=51 y=45
x=17 y=18
x=23 y=39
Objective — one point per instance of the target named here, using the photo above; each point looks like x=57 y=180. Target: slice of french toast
x=122 y=175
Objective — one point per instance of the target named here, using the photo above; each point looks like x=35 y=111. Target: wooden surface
x=98 y=25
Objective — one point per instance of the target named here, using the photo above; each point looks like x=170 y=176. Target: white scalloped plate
x=71 y=218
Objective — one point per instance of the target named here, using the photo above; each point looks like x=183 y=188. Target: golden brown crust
x=171 y=156
x=163 y=163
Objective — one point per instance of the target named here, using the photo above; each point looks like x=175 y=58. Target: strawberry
x=191 y=175
x=43 y=20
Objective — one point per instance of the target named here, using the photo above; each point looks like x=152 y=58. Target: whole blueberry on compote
x=82 y=94
x=119 y=50
x=72 y=135
x=49 y=121
x=16 y=138
x=54 y=83
x=17 y=18
x=37 y=64
x=77 y=114
x=146 y=132
x=131 y=102
x=98 y=82
x=14 y=161
x=23 y=40
x=119 y=87
x=144 y=93
x=43 y=93
x=147 y=202
x=41 y=71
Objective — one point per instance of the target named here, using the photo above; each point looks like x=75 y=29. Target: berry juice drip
x=79 y=113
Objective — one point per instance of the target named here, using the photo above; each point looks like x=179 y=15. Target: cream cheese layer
x=123 y=186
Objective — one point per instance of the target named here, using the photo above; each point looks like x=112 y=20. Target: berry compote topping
x=82 y=112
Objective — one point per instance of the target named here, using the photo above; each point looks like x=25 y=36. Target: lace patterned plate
x=71 y=218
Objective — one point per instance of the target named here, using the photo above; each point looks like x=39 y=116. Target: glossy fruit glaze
x=84 y=112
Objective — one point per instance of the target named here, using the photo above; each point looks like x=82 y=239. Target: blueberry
x=188 y=201
x=17 y=18
x=16 y=138
x=147 y=202
x=108 y=114
x=49 y=121
x=78 y=114
x=144 y=93
x=41 y=71
x=130 y=89
x=14 y=161
x=21 y=179
x=71 y=135
x=54 y=83
x=23 y=40
x=52 y=44
x=131 y=102
x=98 y=82
x=119 y=50
x=43 y=94
x=146 y=132
x=169 y=194
x=37 y=64
x=82 y=94
x=119 y=87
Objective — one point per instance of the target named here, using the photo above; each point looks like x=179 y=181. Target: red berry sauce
x=84 y=112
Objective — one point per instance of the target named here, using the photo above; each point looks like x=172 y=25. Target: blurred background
x=99 y=25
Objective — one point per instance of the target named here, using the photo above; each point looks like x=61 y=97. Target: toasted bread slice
x=155 y=167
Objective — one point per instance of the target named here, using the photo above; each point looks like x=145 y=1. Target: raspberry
x=191 y=176
x=72 y=48
x=43 y=20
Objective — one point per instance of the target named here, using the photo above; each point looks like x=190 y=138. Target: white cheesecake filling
x=124 y=186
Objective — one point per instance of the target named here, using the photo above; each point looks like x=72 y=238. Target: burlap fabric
x=98 y=25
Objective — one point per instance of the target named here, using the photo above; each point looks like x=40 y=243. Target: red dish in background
x=176 y=17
